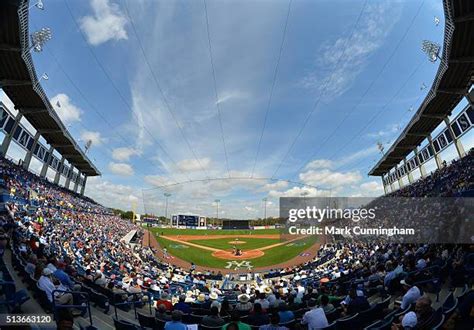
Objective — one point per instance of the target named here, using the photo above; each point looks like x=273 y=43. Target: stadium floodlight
x=39 y=4
x=217 y=201
x=264 y=200
x=431 y=49
x=39 y=38
x=423 y=86
x=167 y=195
x=380 y=147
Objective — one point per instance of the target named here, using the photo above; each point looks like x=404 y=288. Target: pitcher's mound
x=236 y=242
x=228 y=255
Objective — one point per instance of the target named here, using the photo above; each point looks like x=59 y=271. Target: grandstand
x=70 y=261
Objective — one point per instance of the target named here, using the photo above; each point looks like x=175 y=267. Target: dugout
x=235 y=224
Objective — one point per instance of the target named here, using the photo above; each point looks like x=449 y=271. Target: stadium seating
x=80 y=241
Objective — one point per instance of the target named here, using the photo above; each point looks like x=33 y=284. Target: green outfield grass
x=204 y=258
x=223 y=243
x=174 y=231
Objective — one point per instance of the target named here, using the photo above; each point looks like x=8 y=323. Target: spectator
x=213 y=319
x=164 y=300
x=258 y=316
x=325 y=305
x=235 y=323
x=315 y=317
x=412 y=293
x=182 y=306
x=274 y=324
x=175 y=323
x=244 y=304
x=284 y=314
x=162 y=313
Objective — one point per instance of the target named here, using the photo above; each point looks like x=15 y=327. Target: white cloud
x=95 y=137
x=231 y=95
x=122 y=169
x=371 y=188
x=157 y=180
x=107 y=23
x=113 y=195
x=192 y=165
x=67 y=111
x=319 y=163
x=329 y=178
x=124 y=153
x=355 y=51
x=298 y=191
x=275 y=186
x=387 y=131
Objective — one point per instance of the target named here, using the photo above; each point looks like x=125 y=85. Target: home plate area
x=230 y=255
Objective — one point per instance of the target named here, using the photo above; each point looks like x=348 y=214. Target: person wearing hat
x=165 y=300
x=201 y=301
x=412 y=293
x=213 y=296
x=48 y=285
x=244 y=304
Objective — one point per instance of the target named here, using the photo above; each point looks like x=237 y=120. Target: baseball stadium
x=241 y=164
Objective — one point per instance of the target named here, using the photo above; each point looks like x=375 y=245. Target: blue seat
x=350 y=322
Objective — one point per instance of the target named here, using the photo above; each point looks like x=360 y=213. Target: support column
x=44 y=169
x=409 y=175
x=58 y=173
x=8 y=137
x=457 y=142
x=29 y=154
x=437 y=157
x=421 y=166
x=76 y=183
x=384 y=186
x=68 y=177
x=470 y=98
x=83 y=188
x=400 y=179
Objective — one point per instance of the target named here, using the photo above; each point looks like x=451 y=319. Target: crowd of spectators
x=68 y=241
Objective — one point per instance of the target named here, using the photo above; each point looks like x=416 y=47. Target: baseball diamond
x=212 y=249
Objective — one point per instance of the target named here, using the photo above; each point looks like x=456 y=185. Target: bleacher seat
x=146 y=321
x=125 y=325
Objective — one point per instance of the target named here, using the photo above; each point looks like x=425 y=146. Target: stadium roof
x=19 y=81
x=451 y=84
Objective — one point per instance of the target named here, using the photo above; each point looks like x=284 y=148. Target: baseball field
x=216 y=249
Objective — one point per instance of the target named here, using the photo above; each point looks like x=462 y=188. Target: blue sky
x=158 y=123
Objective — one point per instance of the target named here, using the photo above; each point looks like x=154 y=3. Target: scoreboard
x=187 y=221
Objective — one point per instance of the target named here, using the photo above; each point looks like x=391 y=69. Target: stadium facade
x=20 y=82
x=416 y=145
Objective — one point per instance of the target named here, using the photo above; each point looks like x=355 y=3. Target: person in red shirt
x=164 y=300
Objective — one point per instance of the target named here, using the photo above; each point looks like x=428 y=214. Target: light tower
x=431 y=49
x=40 y=38
x=264 y=200
x=217 y=201
x=167 y=195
